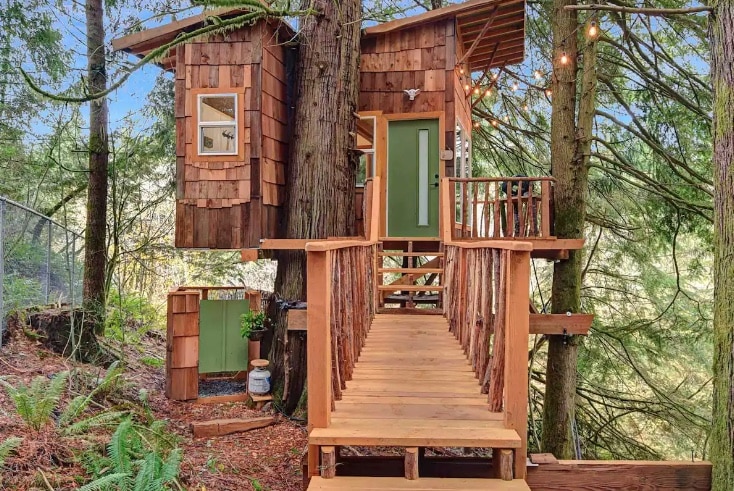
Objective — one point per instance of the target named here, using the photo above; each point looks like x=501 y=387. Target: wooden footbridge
x=450 y=374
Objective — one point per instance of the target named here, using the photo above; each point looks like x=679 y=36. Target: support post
x=517 y=333
x=411 y=463
x=318 y=345
x=502 y=460
x=47 y=278
x=2 y=268
x=328 y=462
x=545 y=213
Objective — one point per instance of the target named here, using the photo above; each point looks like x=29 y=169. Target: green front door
x=412 y=178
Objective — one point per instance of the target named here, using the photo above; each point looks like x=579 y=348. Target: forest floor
x=262 y=459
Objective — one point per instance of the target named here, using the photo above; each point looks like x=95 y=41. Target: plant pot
x=256 y=335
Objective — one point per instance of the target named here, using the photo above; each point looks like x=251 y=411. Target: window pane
x=218 y=139
x=217 y=108
x=366 y=133
x=459 y=146
x=422 y=177
x=366 y=168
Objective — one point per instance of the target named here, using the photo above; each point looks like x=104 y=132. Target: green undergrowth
x=113 y=437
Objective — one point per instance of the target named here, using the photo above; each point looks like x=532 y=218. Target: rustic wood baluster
x=464 y=208
x=521 y=209
x=509 y=215
x=496 y=203
x=485 y=211
x=532 y=211
x=474 y=203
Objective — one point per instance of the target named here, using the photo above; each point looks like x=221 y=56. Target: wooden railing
x=501 y=207
x=487 y=290
x=340 y=291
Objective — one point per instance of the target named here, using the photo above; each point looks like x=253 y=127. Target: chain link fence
x=41 y=261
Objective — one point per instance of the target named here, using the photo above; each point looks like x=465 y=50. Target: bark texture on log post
x=722 y=74
x=328 y=462
x=503 y=463
x=322 y=169
x=411 y=463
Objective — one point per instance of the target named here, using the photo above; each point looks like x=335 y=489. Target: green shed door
x=412 y=178
x=221 y=348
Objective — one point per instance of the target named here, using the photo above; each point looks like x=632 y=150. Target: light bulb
x=515 y=87
x=507 y=119
x=488 y=92
x=548 y=92
x=564 y=59
x=538 y=75
x=461 y=71
x=466 y=87
x=494 y=76
x=476 y=124
x=525 y=107
x=593 y=30
x=495 y=123
x=476 y=90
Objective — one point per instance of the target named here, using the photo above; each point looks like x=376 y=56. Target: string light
x=593 y=30
x=525 y=107
x=495 y=123
x=495 y=75
x=515 y=86
x=564 y=59
x=537 y=75
x=466 y=87
x=476 y=124
x=476 y=90
x=488 y=92
x=461 y=71
x=507 y=119
x=548 y=92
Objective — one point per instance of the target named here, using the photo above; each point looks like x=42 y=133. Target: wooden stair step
x=422 y=484
x=395 y=433
x=421 y=271
x=408 y=254
x=410 y=288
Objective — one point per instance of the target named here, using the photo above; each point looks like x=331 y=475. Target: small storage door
x=221 y=348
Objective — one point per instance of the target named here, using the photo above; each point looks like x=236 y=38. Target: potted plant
x=252 y=325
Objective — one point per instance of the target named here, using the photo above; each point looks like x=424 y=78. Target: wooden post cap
x=260 y=363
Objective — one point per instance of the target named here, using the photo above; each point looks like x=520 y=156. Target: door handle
x=435 y=184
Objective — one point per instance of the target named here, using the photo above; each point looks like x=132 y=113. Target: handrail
x=501 y=179
x=331 y=245
x=506 y=245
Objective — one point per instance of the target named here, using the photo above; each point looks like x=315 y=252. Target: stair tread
x=413 y=254
x=421 y=271
x=395 y=432
x=422 y=484
x=410 y=288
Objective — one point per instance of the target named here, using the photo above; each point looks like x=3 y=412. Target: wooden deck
x=413 y=387
x=423 y=484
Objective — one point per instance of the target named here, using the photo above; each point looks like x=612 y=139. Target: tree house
x=232 y=95
x=381 y=376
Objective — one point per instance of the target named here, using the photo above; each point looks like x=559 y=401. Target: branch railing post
x=47 y=273
x=318 y=345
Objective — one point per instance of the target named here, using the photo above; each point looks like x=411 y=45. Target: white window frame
x=369 y=151
x=465 y=147
x=213 y=124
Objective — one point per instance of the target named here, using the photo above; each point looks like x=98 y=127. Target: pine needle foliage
x=36 y=402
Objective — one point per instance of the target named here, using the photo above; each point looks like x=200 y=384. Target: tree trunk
x=570 y=189
x=722 y=74
x=322 y=169
x=95 y=236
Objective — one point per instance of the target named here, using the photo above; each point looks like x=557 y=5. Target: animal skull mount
x=412 y=93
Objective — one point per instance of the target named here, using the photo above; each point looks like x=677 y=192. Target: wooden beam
x=553 y=243
x=407 y=280
x=219 y=427
x=481 y=34
x=556 y=323
x=578 y=475
x=285 y=244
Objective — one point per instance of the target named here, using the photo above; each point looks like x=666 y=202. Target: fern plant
x=36 y=402
x=138 y=458
x=7 y=447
